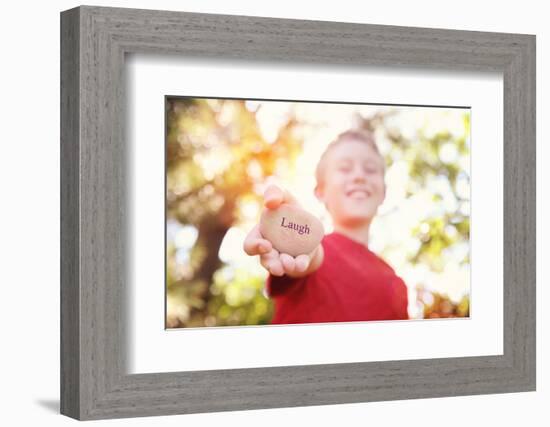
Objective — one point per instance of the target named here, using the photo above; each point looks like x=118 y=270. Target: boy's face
x=353 y=185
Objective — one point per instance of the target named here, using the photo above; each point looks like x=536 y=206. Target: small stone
x=291 y=230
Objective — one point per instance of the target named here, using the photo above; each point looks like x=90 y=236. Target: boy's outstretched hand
x=279 y=264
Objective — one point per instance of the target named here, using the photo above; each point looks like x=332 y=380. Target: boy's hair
x=352 y=134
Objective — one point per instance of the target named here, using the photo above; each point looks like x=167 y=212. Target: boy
x=341 y=280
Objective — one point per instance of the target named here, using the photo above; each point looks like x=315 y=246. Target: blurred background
x=219 y=155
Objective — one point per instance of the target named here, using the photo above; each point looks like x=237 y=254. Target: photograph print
x=283 y=212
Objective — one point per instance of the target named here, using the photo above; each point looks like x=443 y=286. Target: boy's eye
x=370 y=169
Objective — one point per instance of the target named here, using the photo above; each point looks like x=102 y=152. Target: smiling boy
x=341 y=280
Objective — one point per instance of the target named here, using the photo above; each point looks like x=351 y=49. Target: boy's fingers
x=275 y=267
x=267 y=258
x=302 y=263
x=288 y=263
x=271 y=262
x=263 y=246
x=255 y=244
x=274 y=196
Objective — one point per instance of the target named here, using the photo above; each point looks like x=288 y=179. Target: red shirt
x=352 y=284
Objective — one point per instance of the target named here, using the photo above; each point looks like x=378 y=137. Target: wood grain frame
x=94 y=265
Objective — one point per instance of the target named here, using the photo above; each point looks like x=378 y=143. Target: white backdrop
x=152 y=349
x=29 y=218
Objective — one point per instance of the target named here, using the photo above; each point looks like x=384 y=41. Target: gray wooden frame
x=94 y=41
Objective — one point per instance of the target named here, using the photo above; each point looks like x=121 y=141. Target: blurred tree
x=434 y=164
x=215 y=156
x=427 y=164
x=436 y=305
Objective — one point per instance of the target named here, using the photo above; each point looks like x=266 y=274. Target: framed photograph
x=261 y=213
